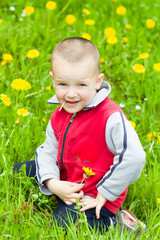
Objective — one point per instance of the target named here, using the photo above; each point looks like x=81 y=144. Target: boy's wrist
x=50 y=183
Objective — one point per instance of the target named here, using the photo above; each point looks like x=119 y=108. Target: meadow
x=127 y=35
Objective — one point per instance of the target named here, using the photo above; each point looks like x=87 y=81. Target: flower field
x=127 y=35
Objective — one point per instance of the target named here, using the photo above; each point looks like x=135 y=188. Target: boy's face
x=75 y=83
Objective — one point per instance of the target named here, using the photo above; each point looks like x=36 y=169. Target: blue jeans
x=68 y=213
x=30 y=168
x=64 y=211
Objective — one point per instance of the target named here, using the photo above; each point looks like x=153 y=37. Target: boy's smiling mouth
x=71 y=102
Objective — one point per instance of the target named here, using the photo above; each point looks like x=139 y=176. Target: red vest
x=81 y=143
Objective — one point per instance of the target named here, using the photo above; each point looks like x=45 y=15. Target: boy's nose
x=71 y=93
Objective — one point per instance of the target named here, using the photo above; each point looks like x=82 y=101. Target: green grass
x=24 y=212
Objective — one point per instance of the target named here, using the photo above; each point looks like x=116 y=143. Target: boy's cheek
x=60 y=97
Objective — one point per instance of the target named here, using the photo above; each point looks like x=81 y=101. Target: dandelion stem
x=64 y=8
x=62 y=106
x=82 y=180
x=4 y=158
x=31 y=94
x=17 y=98
x=2 y=141
x=151 y=146
x=30 y=69
x=48 y=25
x=9 y=137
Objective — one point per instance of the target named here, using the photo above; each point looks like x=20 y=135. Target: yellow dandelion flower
x=1 y=21
x=87 y=36
x=22 y=112
x=48 y=88
x=29 y=10
x=112 y=40
x=158 y=200
x=150 y=45
x=150 y=23
x=138 y=68
x=156 y=67
x=121 y=10
x=86 y=11
x=7 y=57
x=89 y=22
x=20 y=84
x=133 y=124
x=33 y=53
x=17 y=120
x=144 y=55
x=109 y=32
x=125 y=40
x=44 y=120
x=102 y=60
x=88 y=172
x=151 y=136
x=128 y=27
x=70 y=19
x=114 y=1
x=51 y=5
x=5 y=100
x=3 y=63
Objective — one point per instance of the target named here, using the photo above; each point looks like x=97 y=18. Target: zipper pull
x=73 y=117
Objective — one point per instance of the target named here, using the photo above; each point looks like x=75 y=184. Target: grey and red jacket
x=90 y=138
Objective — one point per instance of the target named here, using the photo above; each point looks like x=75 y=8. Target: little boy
x=87 y=130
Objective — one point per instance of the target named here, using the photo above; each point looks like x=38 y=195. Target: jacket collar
x=102 y=93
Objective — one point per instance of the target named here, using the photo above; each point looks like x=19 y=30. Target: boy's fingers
x=98 y=209
x=80 y=194
x=68 y=202
x=71 y=184
x=78 y=187
x=87 y=206
x=75 y=184
x=77 y=195
x=84 y=201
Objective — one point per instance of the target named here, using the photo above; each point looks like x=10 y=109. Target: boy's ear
x=99 y=81
x=51 y=75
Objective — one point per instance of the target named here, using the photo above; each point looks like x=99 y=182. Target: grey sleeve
x=129 y=160
x=46 y=160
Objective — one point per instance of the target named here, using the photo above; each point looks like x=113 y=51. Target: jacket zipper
x=65 y=134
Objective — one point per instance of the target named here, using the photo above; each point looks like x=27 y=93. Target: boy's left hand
x=97 y=203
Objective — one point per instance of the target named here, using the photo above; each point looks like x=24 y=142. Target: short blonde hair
x=76 y=49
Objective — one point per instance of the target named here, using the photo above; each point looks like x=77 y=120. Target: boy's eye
x=61 y=84
x=82 y=85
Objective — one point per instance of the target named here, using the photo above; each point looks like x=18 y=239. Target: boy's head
x=76 y=73
x=76 y=49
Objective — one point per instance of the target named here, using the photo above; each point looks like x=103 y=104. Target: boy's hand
x=67 y=191
x=97 y=203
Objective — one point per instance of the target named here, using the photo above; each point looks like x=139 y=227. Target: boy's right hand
x=69 y=192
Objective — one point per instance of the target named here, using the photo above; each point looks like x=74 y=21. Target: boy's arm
x=46 y=160
x=69 y=192
x=129 y=160
x=47 y=171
